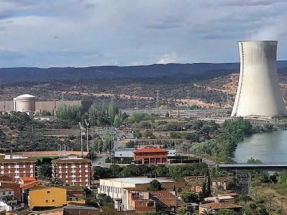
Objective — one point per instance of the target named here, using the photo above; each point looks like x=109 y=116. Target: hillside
x=177 y=84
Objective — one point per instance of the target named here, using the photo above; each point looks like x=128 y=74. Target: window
x=53 y=200
x=47 y=201
x=48 y=192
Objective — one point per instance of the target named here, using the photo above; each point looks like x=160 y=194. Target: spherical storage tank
x=24 y=103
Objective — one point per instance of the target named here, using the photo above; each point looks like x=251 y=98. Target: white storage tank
x=24 y=103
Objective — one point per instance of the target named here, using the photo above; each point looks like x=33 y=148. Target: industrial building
x=24 y=103
x=258 y=92
x=30 y=104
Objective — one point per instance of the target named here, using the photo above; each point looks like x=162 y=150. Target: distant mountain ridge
x=202 y=70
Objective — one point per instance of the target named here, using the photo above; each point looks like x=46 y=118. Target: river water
x=267 y=147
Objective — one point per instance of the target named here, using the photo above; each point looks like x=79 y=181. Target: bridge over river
x=247 y=166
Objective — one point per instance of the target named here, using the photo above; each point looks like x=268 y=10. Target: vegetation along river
x=267 y=147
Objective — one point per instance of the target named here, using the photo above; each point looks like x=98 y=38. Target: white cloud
x=128 y=32
x=167 y=58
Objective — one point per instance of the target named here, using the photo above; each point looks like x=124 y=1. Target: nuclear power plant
x=258 y=92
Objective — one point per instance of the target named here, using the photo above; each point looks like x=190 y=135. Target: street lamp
x=87 y=133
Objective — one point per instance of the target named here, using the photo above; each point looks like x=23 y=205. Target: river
x=267 y=147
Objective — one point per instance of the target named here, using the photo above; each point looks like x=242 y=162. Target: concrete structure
x=24 y=103
x=258 y=91
x=72 y=170
x=171 y=152
x=16 y=166
x=124 y=153
x=151 y=155
x=47 y=197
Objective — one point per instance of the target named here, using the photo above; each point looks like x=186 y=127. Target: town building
x=219 y=182
x=72 y=170
x=212 y=208
x=16 y=166
x=47 y=197
x=151 y=155
x=115 y=188
x=124 y=153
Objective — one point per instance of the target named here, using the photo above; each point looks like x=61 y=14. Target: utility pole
x=87 y=133
x=81 y=129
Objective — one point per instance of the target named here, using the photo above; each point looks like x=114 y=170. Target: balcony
x=86 y=170
x=86 y=166
x=16 y=166
x=73 y=166
x=31 y=166
x=73 y=171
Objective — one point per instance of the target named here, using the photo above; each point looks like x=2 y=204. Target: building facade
x=16 y=166
x=116 y=188
x=72 y=170
x=151 y=155
x=47 y=197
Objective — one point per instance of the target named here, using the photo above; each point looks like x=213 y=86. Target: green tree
x=183 y=211
x=117 y=120
x=45 y=170
x=226 y=212
x=98 y=145
x=112 y=112
x=155 y=185
x=107 y=199
x=188 y=197
x=108 y=142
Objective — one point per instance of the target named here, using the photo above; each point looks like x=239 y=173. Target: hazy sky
x=46 y=33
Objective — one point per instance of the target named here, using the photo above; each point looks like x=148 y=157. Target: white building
x=124 y=152
x=114 y=187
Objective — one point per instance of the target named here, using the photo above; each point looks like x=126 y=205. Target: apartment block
x=72 y=170
x=16 y=166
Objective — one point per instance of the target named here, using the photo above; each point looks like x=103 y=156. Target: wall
x=47 y=197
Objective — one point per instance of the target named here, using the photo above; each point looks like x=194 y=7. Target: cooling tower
x=258 y=91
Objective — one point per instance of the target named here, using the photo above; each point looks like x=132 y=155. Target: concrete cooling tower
x=258 y=92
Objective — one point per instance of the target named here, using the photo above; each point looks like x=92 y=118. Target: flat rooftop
x=138 y=180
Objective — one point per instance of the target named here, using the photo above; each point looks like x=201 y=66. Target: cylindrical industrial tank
x=24 y=103
x=258 y=92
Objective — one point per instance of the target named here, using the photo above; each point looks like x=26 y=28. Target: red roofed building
x=151 y=155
